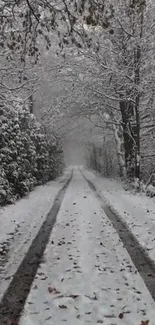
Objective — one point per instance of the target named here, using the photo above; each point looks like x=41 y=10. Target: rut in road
x=139 y=256
x=14 y=298
x=87 y=276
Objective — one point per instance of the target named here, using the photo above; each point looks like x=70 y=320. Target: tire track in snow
x=139 y=256
x=15 y=296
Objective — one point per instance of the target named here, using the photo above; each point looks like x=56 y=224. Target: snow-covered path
x=136 y=210
x=86 y=276
x=27 y=216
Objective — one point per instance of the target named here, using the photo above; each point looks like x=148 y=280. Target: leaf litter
x=88 y=291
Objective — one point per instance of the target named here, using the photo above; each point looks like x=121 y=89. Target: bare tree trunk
x=137 y=62
x=119 y=149
x=127 y=113
x=31 y=103
x=130 y=110
x=131 y=135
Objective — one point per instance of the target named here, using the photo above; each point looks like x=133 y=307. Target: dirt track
x=15 y=297
x=141 y=260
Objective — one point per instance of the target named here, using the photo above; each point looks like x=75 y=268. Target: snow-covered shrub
x=148 y=188
x=56 y=155
x=150 y=191
x=138 y=185
x=29 y=156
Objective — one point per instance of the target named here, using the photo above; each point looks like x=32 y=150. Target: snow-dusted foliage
x=29 y=155
x=102 y=158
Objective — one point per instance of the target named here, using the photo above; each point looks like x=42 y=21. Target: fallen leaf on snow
x=63 y=306
x=91 y=298
x=121 y=315
x=110 y=316
x=53 y=290
x=45 y=277
x=144 y=322
x=61 y=243
x=74 y=296
x=48 y=318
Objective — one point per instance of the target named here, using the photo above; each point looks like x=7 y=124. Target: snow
x=87 y=276
x=137 y=210
x=19 y=224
